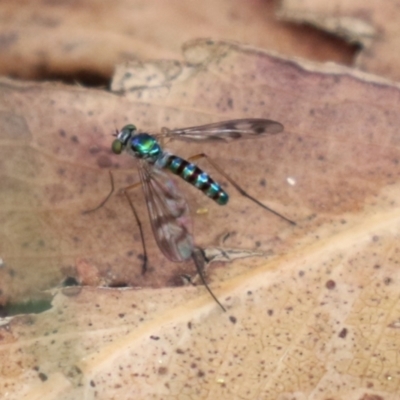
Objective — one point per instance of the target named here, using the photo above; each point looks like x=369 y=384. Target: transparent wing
x=226 y=130
x=169 y=213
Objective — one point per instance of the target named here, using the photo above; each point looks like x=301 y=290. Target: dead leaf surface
x=373 y=24
x=88 y=38
x=316 y=319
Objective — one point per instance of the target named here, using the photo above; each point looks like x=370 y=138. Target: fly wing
x=226 y=130
x=169 y=213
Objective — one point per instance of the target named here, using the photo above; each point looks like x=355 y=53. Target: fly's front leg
x=236 y=185
x=125 y=191
x=107 y=197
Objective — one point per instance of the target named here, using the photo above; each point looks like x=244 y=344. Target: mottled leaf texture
x=373 y=25
x=82 y=39
x=315 y=315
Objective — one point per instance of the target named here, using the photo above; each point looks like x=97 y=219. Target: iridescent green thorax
x=140 y=145
x=145 y=146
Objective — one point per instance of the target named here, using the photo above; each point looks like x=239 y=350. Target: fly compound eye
x=123 y=137
x=130 y=128
x=117 y=146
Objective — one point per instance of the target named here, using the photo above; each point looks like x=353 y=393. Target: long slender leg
x=107 y=197
x=135 y=185
x=200 y=260
x=236 y=186
x=145 y=258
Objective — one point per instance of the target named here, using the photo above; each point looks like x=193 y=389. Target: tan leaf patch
x=313 y=316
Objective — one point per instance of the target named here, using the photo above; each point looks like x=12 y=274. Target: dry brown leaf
x=88 y=38
x=318 y=318
x=373 y=24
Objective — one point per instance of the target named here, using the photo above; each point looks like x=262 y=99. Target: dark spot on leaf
x=74 y=139
x=162 y=371
x=92 y=384
x=270 y=312
x=233 y=319
x=343 y=333
x=12 y=273
x=42 y=376
x=152 y=337
x=62 y=133
x=330 y=284
x=104 y=161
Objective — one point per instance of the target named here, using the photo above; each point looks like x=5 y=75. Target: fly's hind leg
x=236 y=185
x=200 y=262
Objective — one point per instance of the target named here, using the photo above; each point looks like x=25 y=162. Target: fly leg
x=236 y=185
x=200 y=261
x=106 y=198
x=125 y=191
